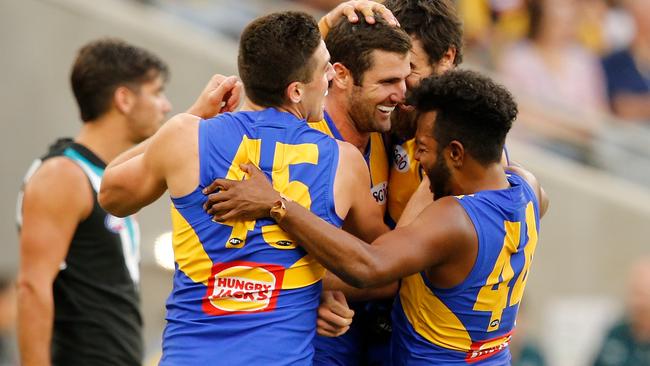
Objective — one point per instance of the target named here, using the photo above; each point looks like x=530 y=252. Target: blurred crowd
x=575 y=63
x=580 y=69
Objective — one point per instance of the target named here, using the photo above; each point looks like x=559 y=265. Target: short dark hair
x=274 y=51
x=104 y=65
x=471 y=109
x=352 y=43
x=434 y=22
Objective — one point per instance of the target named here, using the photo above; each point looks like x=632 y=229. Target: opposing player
x=78 y=279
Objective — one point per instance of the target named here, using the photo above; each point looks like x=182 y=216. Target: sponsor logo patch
x=379 y=192
x=243 y=287
x=114 y=224
x=485 y=349
x=401 y=159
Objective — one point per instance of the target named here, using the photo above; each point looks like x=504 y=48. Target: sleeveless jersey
x=404 y=178
x=244 y=293
x=471 y=323
x=360 y=344
x=375 y=156
x=96 y=302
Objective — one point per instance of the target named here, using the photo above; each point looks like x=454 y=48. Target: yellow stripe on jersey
x=379 y=169
x=303 y=273
x=248 y=152
x=430 y=317
x=404 y=178
x=188 y=250
x=529 y=251
x=378 y=163
x=322 y=126
x=285 y=156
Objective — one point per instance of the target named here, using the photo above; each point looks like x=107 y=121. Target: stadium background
x=595 y=168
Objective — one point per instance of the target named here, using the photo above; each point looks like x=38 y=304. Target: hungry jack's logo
x=243 y=287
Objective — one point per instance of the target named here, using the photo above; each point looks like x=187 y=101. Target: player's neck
x=340 y=115
x=105 y=137
x=476 y=178
x=293 y=109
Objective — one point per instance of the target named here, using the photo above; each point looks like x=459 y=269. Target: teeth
x=327 y=92
x=385 y=109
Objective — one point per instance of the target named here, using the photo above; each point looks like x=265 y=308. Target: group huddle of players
x=359 y=123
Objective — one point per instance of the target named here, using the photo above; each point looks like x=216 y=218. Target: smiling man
x=464 y=260
x=244 y=292
x=371 y=64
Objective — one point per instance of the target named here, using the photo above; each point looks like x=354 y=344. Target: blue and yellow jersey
x=471 y=323
x=375 y=156
x=405 y=177
x=403 y=180
x=244 y=293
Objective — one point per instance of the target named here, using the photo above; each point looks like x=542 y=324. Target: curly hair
x=351 y=44
x=470 y=108
x=434 y=22
x=104 y=65
x=274 y=51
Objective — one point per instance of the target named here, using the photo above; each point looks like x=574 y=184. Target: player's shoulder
x=58 y=170
x=179 y=122
x=350 y=156
x=59 y=181
x=525 y=175
x=448 y=210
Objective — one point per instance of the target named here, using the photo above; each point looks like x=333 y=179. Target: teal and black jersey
x=96 y=303
x=244 y=292
x=472 y=322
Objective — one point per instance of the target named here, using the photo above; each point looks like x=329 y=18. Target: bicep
x=427 y=242
x=365 y=218
x=417 y=203
x=141 y=179
x=137 y=179
x=53 y=205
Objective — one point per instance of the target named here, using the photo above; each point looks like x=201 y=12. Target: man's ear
x=456 y=153
x=342 y=76
x=295 y=92
x=447 y=61
x=124 y=99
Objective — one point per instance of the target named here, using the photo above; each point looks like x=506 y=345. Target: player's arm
x=398 y=253
x=542 y=197
x=364 y=217
x=349 y=10
x=333 y=283
x=139 y=176
x=221 y=94
x=56 y=198
x=136 y=177
x=334 y=314
x=420 y=199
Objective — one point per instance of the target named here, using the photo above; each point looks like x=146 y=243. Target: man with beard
x=436 y=35
x=469 y=252
x=436 y=38
x=371 y=63
x=245 y=292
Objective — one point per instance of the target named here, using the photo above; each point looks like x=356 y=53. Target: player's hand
x=349 y=8
x=248 y=199
x=334 y=315
x=221 y=94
